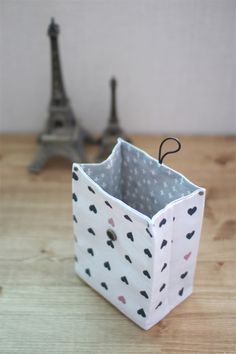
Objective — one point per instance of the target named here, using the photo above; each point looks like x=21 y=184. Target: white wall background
x=175 y=61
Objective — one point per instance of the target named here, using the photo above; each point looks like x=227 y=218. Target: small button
x=111 y=234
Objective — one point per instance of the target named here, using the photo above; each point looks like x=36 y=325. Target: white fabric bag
x=137 y=226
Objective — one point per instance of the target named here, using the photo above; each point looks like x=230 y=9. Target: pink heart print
x=111 y=222
x=122 y=299
x=186 y=257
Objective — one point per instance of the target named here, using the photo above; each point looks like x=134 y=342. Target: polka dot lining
x=138 y=180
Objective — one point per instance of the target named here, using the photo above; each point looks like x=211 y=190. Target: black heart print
x=107 y=265
x=181 y=292
x=183 y=275
x=76 y=169
x=108 y=204
x=128 y=258
x=128 y=218
x=190 y=235
x=130 y=236
x=104 y=285
x=191 y=211
x=90 y=251
x=162 y=287
x=141 y=312
x=74 y=218
x=87 y=271
x=164 y=243
x=124 y=279
x=164 y=266
x=75 y=258
x=91 y=190
x=74 y=197
x=145 y=272
x=90 y=230
x=110 y=243
x=143 y=292
x=149 y=233
x=163 y=221
x=147 y=252
x=74 y=176
x=93 y=208
x=160 y=303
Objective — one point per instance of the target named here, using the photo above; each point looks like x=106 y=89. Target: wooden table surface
x=46 y=308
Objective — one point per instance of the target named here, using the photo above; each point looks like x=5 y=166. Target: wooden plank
x=46 y=308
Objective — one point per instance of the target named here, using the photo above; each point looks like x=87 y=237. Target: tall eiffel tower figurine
x=113 y=130
x=63 y=136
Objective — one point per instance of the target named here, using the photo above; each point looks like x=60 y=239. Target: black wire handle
x=161 y=158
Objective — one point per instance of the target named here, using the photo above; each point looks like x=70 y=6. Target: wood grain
x=46 y=308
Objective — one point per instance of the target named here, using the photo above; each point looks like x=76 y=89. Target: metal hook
x=161 y=158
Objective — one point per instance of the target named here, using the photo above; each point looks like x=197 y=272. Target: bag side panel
x=188 y=217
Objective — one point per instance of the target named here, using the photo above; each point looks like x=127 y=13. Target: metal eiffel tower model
x=63 y=136
x=113 y=130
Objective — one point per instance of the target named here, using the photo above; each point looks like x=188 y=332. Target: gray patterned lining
x=137 y=179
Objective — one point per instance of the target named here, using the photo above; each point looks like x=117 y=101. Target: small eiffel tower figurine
x=63 y=136
x=113 y=130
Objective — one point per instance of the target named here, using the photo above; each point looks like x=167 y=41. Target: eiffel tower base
x=72 y=151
